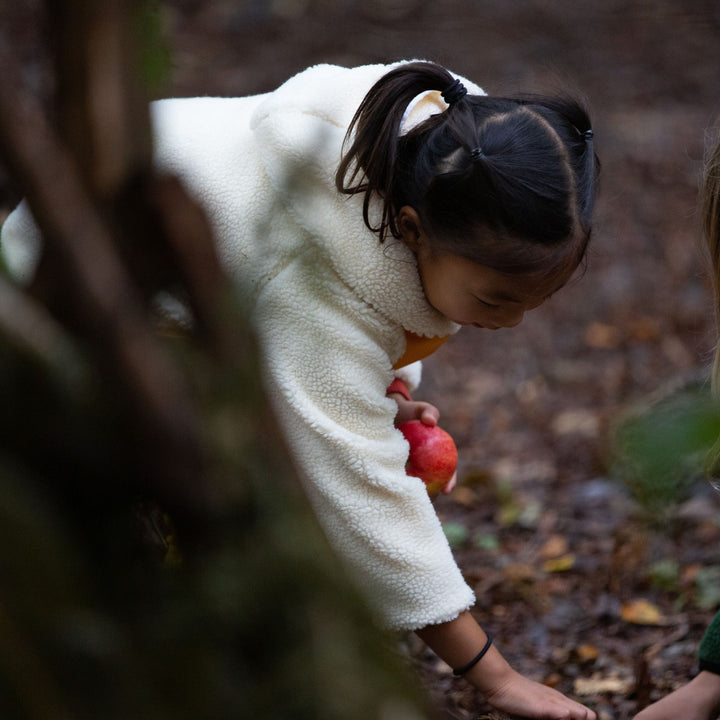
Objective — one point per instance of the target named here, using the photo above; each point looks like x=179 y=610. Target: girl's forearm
x=457 y=642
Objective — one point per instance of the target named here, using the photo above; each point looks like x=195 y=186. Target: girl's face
x=472 y=294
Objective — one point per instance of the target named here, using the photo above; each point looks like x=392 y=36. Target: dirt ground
x=578 y=589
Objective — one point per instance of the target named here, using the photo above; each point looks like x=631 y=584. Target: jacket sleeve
x=411 y=375
x=709 y=655
x=326 y=374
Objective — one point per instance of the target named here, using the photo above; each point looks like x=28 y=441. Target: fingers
x=447 y=489
x=529 y=699
x=573 y=711
x=428 y=414
x=414 y=410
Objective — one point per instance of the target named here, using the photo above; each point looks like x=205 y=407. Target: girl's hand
x=427 y=414
x=413 y=410
x=697 y=700
x=529 y=699
x=448 y=487
x=458 y=640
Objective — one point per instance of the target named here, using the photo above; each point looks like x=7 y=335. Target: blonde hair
x=711 y=233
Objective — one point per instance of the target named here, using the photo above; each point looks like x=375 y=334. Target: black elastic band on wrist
x=462 y=670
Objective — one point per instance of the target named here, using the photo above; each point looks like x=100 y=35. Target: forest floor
x=581 y=589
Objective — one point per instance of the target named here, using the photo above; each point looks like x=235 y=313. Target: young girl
x=700 y=698
x=367 y=214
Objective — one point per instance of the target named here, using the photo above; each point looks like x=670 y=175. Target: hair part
x=506 y=182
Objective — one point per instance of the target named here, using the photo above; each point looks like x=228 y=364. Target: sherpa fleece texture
x=331 y=306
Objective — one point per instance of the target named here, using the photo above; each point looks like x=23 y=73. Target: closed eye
x=486 y=303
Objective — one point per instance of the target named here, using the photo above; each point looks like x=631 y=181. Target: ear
x=410 y=227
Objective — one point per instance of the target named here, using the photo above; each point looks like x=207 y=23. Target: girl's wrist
x=397 y=386
x=458 y=641
x=491 y=673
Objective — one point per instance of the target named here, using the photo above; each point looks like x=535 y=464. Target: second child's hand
x=699 y=699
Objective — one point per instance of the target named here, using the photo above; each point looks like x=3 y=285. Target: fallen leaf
x=508 y=514
x=707 y=587
x=552 y=680
x=664 y=574
x=456 y=533
x=477 y=478
x=587 y=652
x=645 y=329
x=559 y=564
x=598 y=685
x=641 y=612
x=580 y=421
x=464 y=496
x=519 y=572
x=689 y=573
x=602 y=336
x=554 y=546
x=530 y=514
x=485 y=541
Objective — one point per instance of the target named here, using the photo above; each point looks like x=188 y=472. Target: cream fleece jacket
x=330 y=305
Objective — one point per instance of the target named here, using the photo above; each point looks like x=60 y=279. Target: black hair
x=509 y=182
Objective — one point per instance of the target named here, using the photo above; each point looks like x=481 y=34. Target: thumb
x=429 y=415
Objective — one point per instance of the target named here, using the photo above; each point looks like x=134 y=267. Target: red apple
x=433 y=455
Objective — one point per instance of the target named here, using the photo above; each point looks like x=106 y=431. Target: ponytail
x=370 y=164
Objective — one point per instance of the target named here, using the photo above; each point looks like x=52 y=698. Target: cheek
x=439 y=291
x=498 y=317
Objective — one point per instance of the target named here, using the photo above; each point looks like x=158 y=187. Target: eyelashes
x=485 y=303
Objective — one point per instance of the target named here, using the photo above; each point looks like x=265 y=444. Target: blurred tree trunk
x=114 y=429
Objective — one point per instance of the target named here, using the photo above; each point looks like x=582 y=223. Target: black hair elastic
x=453 y=92
x=477 y=154
x=462 y=670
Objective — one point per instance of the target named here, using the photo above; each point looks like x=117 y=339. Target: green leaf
x=485 y=541
x=456 y=533
x=707 y=587
x=664 y=574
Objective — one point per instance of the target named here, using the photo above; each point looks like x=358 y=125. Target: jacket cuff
x=709 y=653
x=707 y=665
x=398 y=386
x=410 y=375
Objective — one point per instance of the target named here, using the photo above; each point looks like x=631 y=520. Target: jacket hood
x=300 y=129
